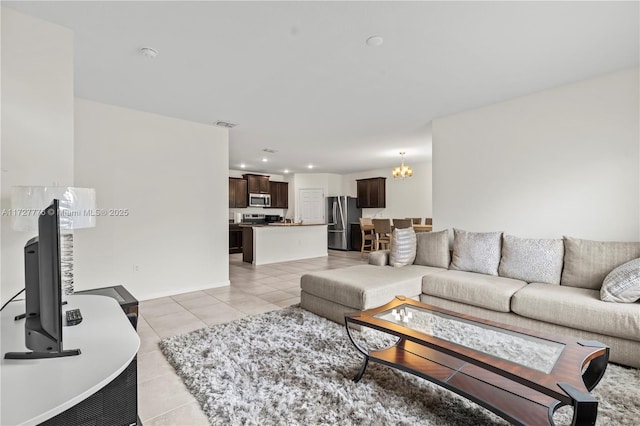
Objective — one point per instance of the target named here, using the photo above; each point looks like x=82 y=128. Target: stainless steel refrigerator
x=341 y=213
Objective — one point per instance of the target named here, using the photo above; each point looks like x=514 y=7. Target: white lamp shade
x=77 y=206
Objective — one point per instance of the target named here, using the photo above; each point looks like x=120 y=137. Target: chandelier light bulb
x=402 y=171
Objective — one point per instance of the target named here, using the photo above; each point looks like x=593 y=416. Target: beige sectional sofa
x=567 y=301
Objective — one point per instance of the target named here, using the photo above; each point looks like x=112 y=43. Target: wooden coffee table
x=521 y=375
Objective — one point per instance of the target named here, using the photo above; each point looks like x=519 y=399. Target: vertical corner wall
x=37 y=122
x=162 y=184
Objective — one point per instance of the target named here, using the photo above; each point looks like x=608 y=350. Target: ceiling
x=298 y=77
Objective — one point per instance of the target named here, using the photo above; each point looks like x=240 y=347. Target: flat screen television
x=43 y=290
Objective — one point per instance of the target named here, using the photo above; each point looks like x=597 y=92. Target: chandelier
x=402 y=171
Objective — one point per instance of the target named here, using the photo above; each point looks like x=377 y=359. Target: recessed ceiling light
x=374 y=41
x=149 y=52
x=242 y=166
x=226 y=124
x=265 y=159
x=286 y=171
x=310 y=166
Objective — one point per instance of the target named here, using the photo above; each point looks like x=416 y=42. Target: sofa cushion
x=476 y=251
x=432 y=249
x=531 y=260
x=402 y=250
x=366 y=286
x=579 y=308
x=485 y=291
x=379 y=258
x=586 y=262
x=622 y=285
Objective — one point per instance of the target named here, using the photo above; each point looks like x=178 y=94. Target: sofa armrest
x=379 y=258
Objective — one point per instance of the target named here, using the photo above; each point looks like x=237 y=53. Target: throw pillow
x=531 y=260
x=379 y=258
x=587 y=263
x=476 y=251
x=432 y=249
x=403 y=247
x=622 y=285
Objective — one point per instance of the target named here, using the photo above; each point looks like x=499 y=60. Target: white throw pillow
x=531 y=260
x=622 y=285
x=476 y=251
x=403 y=247
x=432 y=249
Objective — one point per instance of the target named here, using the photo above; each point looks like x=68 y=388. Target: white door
x=311 y=205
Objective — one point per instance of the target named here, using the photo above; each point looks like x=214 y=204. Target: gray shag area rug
x=292 y=367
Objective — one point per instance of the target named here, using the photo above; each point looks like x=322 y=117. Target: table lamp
x=77 y=210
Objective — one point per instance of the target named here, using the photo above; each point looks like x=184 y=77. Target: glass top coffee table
x=521 y=375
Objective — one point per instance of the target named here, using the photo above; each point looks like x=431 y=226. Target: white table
x=36 y=390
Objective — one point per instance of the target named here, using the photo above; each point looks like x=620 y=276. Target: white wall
x=409 y=197
x=560 y=162
x=37 y=122
x=171 y=175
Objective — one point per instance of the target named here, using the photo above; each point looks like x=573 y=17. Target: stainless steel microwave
x=259 y=200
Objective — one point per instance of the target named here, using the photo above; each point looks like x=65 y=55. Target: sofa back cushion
x=432 y=249
x=587 y=263
x=402 y=250
x=531 y=260
x=476 y=251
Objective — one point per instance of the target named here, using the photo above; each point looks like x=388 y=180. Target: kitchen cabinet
x=235 y=238
x=371 y=192
x=279 y=195
x=258 y=184
x=237 y=193
x=356 y=237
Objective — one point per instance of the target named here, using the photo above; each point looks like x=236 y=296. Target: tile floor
x=162 y=397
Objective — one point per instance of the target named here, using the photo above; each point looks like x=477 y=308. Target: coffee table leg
x=361 y=350
x=361 y=372
x=594 y=372
x=585 y=407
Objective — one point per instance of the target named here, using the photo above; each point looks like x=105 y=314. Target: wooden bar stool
x=368 y=235
x=383 y=232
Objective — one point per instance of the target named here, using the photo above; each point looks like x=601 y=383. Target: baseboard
x=175 y=291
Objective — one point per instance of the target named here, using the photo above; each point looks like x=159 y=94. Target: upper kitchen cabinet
x=258 y=184
x=279 y=195
x=371 y=193
x=237 y=193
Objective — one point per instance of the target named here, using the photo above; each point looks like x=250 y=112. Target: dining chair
x=416 y=220
x=402 y=223
x=428 y=221
x=382 y=229
x=368 y=235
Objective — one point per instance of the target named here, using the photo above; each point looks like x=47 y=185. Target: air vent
x=269 y=150
x=226 y=124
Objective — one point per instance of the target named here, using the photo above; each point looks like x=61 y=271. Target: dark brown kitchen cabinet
x=279 y=195
x=258 y=184
x=237 y=193
x=235 y=238
x=371 y=193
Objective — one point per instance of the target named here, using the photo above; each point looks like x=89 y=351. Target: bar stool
x=402 y=223
x=368 y=235
x=382 y=228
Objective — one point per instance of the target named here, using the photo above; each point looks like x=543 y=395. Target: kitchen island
x=278 y=242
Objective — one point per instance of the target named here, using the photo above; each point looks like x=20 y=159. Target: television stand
x=41 y=355
x=99 y=387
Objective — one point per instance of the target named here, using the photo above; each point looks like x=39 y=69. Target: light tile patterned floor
x=162 y=397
